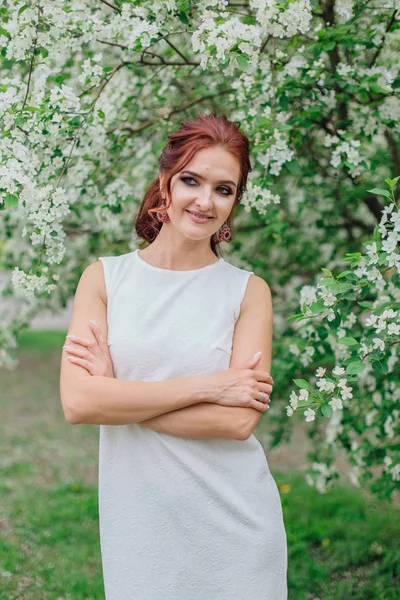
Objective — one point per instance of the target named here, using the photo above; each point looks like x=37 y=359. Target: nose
x=205 y=201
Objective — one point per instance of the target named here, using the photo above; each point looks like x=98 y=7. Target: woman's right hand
x=242 y=387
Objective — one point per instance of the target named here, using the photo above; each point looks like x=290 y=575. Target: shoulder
x=256 y=286
x=257 y=292
x=97 y=272
x=93 y=277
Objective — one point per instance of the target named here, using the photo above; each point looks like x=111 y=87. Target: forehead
x=215 y=163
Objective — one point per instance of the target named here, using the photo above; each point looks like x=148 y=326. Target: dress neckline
x=160 y=269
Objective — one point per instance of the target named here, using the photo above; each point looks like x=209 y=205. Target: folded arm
x=253 y=332
x=95 y=396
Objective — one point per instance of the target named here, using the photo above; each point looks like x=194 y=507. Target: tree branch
x=111 y=6
x=175 y=110
x=380 y=47
x=32 y=61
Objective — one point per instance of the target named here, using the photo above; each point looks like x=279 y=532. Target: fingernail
x=94 y=323
x=257 y=354
x=67 y=347
x=71 y=337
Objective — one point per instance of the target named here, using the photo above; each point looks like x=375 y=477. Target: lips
x=198 y=216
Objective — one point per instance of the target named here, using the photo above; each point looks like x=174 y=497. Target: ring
x=263 y=396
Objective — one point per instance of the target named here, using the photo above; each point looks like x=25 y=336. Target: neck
x=169 y=254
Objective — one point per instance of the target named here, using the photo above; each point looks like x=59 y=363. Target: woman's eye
x=185 y=179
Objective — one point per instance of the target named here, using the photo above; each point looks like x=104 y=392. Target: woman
x=188 y=507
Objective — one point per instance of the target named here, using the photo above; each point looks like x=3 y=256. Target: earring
x=224 y=233
x=162 y=215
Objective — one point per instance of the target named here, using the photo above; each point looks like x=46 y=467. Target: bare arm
x=253 y=332
x=108 y=401
x=105 y=400
x=201 y=421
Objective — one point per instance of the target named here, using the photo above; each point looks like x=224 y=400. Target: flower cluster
x=324 y=384
x=257 y=197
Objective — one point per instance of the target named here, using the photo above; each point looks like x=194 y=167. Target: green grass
x=341 y=545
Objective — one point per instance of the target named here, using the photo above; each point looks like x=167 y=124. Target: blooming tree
x=89 y=91
x=354 y=317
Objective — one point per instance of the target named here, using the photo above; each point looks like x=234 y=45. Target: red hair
x=205 y=131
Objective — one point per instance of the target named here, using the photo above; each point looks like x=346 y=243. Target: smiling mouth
x=197 y=216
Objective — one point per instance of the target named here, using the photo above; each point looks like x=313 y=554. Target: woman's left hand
x=94 y=355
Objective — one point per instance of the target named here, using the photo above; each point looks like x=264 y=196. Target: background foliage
x=90 y=90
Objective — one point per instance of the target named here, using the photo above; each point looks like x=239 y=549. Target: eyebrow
x=200 y=177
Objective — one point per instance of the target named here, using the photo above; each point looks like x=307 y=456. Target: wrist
x=203 y=389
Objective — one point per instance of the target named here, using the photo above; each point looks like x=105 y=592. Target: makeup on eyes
x=222 y=187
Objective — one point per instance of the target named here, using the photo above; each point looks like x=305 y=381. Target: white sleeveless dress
x=181 y=518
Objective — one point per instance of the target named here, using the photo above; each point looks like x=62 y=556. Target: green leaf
x=378 y=89
x=395 y=278
x=349 y=341
x=334 y=324
x=355 y=367
x=340 y=288
x=4 y=32
x=44 y=52
x=396 y=83
x=183 y=18
x=322 y=332
x=10 y=201
x=24 y=7
x=328 y=46
x=317 y=306
x=376 y=235
x=75 y=121
x=20 y=121
x=353 y=254
x=283 y=102
x=365 y=304
x=31 y=108
x=295 y=317
x=392 y=182
x=379 y=192
x=293 y=167
x=242 y=62
x=380 y=366
x=326 y=281
x=302 y=383
x=343 y=274
x=349 y=296
x=326 y=410
x=327 y=272
x=382 y=258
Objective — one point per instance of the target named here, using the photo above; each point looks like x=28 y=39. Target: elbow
x=244 y=433
x=248 y=426
x=70 y=413
x=72 y=417
x=72 y=408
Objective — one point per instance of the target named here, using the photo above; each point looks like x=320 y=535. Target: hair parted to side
x=203 y=132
